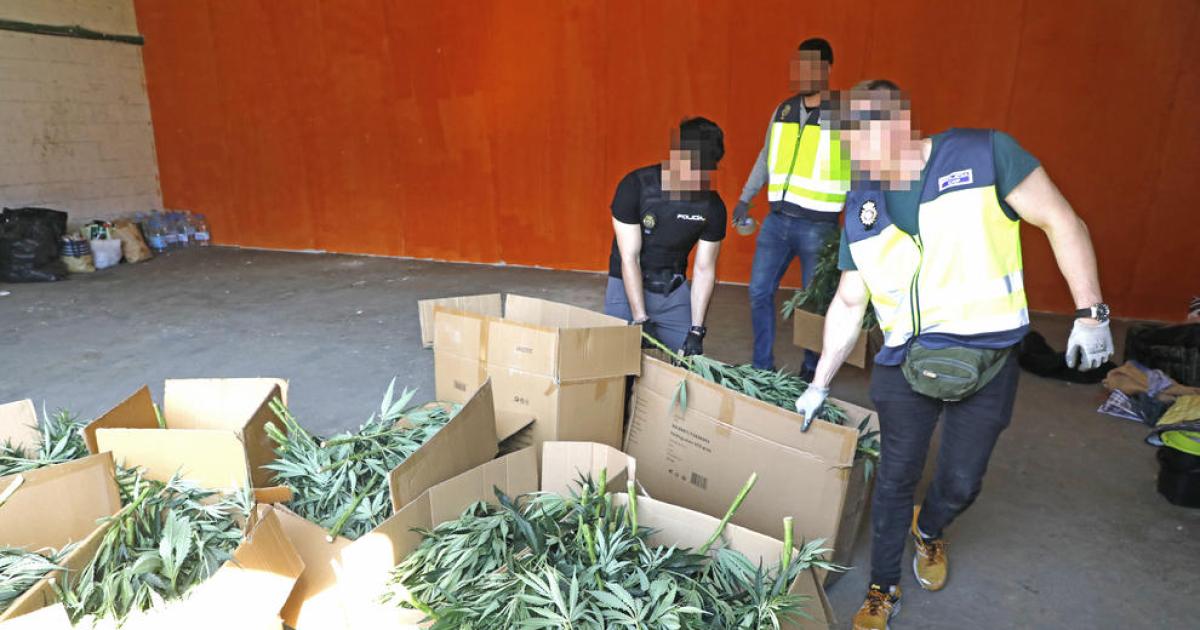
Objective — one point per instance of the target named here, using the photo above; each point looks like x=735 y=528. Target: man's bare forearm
x=631 y=274
x=843 y=325
x=1072 y=245
x=703 y=283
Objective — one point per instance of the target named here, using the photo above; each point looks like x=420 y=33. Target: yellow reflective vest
x=807 y=165
x=961 y=274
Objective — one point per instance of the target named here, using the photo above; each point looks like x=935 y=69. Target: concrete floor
x=1069 y=532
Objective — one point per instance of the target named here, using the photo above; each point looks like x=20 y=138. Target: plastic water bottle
x=203 y=238
x=154 y=234
x=170 y=235
x=187 y=231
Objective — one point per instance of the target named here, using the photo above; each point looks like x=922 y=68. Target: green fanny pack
x=952 y=373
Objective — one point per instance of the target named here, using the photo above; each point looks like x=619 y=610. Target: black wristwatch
x=1097 y=311
x=701 y=331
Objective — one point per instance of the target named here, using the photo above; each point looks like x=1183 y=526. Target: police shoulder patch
x=868 y=214
x=649 y=220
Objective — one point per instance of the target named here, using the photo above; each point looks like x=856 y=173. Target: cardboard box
x=60 y=504
x=701 y=456
x=19 y=424
x=488 y=304
x=469 y=439
x=808 y=332
x=365 y=564
x=215 y=434
x=53 y=507
x=48 y=618
x=560 y=367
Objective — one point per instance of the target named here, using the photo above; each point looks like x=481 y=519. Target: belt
x=799 y=212
x=662 y=281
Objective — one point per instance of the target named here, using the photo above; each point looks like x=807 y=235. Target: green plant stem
x=631 y=491
x=733 y=508
x=341 y=521
x=788 y=538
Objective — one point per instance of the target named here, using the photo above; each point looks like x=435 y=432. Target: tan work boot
x=930 y=564
x=879 y=608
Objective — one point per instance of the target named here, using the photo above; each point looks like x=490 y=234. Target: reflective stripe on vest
x=962 y=274
x=807 y=167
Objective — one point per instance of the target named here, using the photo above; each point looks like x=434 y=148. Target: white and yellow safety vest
x=961 y=274
x=807 y=165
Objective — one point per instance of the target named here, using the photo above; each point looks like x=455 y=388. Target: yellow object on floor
x=1185 y=409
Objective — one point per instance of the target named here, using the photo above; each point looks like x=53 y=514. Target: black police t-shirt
x=677 y=225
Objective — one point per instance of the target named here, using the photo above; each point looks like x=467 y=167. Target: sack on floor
x=106 y=252
x=29 y=244
x=1173 y=349
x=133 y=246
x=77 y=255
x=18 y=258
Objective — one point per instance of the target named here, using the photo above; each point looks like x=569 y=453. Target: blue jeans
x=970 y=429
x=781 y=239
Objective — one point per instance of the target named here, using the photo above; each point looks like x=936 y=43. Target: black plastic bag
x=1173 y=349
x=29 y=244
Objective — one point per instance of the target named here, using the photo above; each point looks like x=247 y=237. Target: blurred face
x=807 y=74
x=682 y=172
x=878 y=131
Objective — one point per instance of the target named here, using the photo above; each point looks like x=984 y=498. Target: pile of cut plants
x=341 y=482
x=61 y=441
x=777 y=387
x=166 y=539
x=542 y=560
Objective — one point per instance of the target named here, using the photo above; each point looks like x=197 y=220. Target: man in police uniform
x=807 y=178
x=932 y=242
x=660 y=213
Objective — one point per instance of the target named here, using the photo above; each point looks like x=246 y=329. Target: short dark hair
x=705 y=137
x=820 y=45
x=878 y=84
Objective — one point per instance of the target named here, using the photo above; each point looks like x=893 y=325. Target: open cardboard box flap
x=699 y=455
x=48 y=618
x=215 y=435
x=488 y=305
x=364 y=566
x=566 y=343
x=59 y=504
x=53 y=507
x=19 y=424
x=468 y=440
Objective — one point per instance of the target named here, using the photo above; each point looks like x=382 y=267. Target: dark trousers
x=906 y=422
x=672 y=314
x=781 y=239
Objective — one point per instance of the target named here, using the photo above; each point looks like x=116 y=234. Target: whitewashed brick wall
x=75 y=131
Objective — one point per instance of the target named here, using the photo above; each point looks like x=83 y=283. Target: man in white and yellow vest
x=807 y=177
x=932 y=241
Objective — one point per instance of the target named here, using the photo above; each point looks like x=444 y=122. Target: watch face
x=1101 y=312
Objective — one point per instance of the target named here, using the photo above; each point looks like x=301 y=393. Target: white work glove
x=810 y=402
x=1089 y=345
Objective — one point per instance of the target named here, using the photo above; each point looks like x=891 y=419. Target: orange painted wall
x=496 y=130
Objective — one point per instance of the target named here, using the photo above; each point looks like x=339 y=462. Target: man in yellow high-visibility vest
x=807 y=177
x=932 y=242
